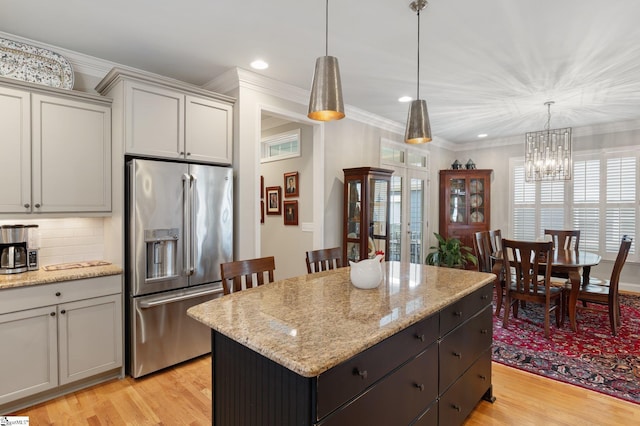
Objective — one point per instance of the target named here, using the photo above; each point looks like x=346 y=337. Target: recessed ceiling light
x=482 y=135
x=405 y=99
x=259 y=64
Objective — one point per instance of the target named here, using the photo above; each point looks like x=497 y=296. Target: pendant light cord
x=418 y=76
x=326 y=30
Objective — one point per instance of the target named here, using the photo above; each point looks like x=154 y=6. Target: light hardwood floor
x=182 y=396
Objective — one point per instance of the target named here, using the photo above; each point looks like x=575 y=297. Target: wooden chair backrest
x=485 y=243
x=564 y=239
x=324 y=259
x=523 y=264
x=241 y=273
x=623 y=252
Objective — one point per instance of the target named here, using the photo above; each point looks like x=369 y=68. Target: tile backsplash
x=67 y=239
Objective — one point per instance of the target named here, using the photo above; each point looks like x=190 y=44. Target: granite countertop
x=42 y=276
x=314 y=322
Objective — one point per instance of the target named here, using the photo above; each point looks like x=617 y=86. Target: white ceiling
x=487 y=66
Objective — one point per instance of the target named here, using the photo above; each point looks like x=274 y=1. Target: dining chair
x=241 y=273
x=564 y=239
x=324 y=259
x=523 y=261
x=606 y=293
x=485 y=243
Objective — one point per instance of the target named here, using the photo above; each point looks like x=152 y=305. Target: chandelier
x=547 y=153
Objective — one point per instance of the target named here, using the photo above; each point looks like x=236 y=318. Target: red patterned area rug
x=591 y=358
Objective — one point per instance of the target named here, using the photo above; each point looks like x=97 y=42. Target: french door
x=407 y=214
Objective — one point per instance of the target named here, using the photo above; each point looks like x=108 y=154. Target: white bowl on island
x=367 y=273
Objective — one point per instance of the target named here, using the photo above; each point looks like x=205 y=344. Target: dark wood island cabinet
x=315 y=350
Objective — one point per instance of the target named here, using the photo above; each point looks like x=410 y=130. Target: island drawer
x=344 y=381
x=463 y=396
x=29 y=297
x=459 y=349
x=397 y=399
x=460 y=311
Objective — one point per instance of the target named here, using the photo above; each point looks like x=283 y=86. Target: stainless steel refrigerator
x=179 y=230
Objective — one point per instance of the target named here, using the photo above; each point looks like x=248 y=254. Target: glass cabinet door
x=378 y=214
x=458 y=202
x=354 y=217
x=477 y=200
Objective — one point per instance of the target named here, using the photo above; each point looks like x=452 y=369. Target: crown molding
x=81 y=63
x=241 y=78
x=592 y=130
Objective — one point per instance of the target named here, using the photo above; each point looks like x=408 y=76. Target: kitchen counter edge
x=47 y=277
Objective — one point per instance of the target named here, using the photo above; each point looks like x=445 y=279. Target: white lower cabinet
x=47 y=347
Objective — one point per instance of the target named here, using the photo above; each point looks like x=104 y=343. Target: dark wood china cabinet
x=366 y=213
x=465 y=203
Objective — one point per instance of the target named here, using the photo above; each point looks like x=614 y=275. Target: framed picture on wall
x=261 y=187
x=291 y=212
x=291 y=185
x=274 y=195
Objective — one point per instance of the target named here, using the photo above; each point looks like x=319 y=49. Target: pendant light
x=326 y=102
x=418 y=127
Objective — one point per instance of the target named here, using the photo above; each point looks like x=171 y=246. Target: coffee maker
x=13 y=249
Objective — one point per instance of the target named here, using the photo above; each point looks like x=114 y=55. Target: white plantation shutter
x=551 y=206
x=524 y=211
x=586 y=198
x=621 y=202
x=601 y=200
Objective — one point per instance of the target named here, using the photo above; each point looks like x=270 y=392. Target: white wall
x=289 y=257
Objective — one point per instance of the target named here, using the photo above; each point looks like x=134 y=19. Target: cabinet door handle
x=53 y=314
x=37 y=206
x=484 y=297
x=484 y=331
x=457 y=313
x=181 y=152
x=420 y=337
x=419 y=386
x=457 y=355
x=188 y=154
x=63 y=311
x=362 y=373
x=27 y=205
x=482 y=377
x=456 y=407
x=58 y=294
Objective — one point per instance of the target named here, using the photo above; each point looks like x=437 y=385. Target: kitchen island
x=316 y=350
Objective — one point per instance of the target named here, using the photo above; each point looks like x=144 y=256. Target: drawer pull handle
x=53 y=314
x=483 y=377
x=484 y=331
x=419 y=386
x=362 y=373
x=420 y=337
x=484 y=297
x=58 y=294
x=63 y=311
x=457 y=355
x=456 y=407
x=457 y=313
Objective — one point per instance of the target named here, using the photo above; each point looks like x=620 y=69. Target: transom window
x=281 y=146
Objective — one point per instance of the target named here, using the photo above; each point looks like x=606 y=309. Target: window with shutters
x=601 y=200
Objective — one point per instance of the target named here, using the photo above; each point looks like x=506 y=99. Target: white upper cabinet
x=71 y=156
x=56 y=150
x=166 y=118
x=15 y=161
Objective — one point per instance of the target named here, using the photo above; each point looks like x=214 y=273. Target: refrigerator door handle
x=153 y=303
x=192 y=225
x=186 y=227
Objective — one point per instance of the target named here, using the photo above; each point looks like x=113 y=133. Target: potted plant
x=451 y=253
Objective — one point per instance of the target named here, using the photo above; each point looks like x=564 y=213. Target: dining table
x=575 y=263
